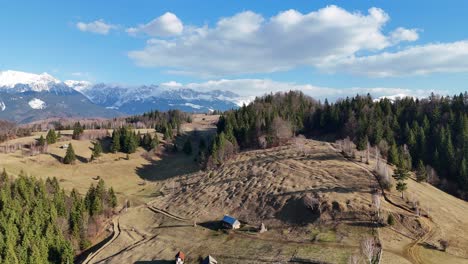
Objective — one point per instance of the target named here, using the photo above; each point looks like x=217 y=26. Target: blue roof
x=229 y=219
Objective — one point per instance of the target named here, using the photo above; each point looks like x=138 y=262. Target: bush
x=390 y=220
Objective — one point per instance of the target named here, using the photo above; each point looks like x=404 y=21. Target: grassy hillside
x=315 y=203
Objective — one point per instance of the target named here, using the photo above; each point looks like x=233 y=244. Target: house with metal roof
x=230 y=222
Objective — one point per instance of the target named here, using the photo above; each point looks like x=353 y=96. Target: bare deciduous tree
x=376 y=203
x=368 y=247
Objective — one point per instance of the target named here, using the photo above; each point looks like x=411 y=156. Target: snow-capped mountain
x=33 y=82
x=138 y=99
x=26 y=97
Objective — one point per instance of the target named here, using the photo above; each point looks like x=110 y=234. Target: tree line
x=410 y=133
x=40 y=223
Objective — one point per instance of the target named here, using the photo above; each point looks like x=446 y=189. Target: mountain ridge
x=28 y=97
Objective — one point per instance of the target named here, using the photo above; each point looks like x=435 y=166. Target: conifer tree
x=97 y=149
x=112 y=198
x=51 y=137
x=154 y=141
x=115 y=147
x=401 y=174
x=401 y=187
x=77 y=131
x=70 y=156
x=421 y=174
x=41 y=141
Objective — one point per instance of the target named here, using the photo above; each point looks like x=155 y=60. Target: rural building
x=180 y=258
x=230 y=222
x=209 y=260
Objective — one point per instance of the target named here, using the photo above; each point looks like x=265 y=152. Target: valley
x=316 y=204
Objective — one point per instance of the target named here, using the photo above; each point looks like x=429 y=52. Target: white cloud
x=402 y=34
x=163 y=26
x=98 y=27
x=249 y=43
x=416 y=60
x=249 y=88
x=172 y=84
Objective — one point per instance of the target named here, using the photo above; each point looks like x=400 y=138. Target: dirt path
x=166 y=213
x=412 y=251
x=116 y=234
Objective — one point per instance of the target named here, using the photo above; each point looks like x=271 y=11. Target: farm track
x=168 y=214
x=413 y=249
x=116 y=233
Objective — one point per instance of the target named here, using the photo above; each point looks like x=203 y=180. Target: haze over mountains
x=26 y=97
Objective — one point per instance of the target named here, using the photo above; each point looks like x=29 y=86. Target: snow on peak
x=394 y=97
x=78 y=85
x=37 y=82
x=2 y=106
x=37 y=104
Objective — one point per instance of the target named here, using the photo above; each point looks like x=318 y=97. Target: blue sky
x=328 y=48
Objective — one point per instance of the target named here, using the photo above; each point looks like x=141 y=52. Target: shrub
x=390 y=220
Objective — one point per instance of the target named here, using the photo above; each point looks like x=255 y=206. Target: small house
x=180 y=257
x=230 y=222
x=209 y=260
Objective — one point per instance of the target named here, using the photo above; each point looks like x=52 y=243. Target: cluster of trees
x=51 y=137
x=411 y=133
x=39 y=223
x=149 y=142
x=266 y=122
x=427 y=135
x=161 y=120
x=127 y=140
x=9 y=130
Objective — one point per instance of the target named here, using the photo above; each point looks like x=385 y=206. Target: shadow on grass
x=212 y=225
x=172 y=163
x=370 y=224
x=60 y=159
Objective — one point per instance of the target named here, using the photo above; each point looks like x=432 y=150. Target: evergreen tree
x=78 y=130
x=41 y=141
x=115 y=147
x=97 y=149
x=70 y=156
x=421 y=174
x=51 y=137
x=401 y=187
x=154 y=142
x=401 y=174
x=112 y=198
x=393 y=155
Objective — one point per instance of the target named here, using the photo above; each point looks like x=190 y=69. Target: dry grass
x=270 y=186
x=256 y=186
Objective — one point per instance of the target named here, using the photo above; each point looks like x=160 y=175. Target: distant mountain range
x=26 y=97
